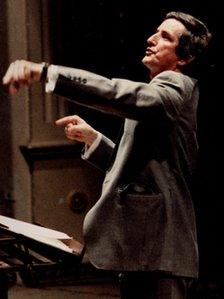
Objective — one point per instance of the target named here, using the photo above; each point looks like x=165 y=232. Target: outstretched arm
x=163 y=98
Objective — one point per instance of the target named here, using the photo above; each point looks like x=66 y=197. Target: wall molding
x=40 y=151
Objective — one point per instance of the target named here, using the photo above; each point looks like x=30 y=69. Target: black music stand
x=32 y=251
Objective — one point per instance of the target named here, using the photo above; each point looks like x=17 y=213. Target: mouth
x=149 y=52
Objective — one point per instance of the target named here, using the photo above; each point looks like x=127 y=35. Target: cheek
x=167 y=55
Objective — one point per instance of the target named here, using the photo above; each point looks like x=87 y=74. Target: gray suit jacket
x=144 y=219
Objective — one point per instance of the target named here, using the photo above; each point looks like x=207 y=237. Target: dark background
x=109 y=37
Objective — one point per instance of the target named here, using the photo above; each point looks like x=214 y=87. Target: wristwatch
x=43 y=76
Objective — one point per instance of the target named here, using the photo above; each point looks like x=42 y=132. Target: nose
x=152 y=40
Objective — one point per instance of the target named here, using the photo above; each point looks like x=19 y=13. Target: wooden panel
x=54 y=181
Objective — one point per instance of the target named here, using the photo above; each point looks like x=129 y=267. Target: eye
x=166 y=36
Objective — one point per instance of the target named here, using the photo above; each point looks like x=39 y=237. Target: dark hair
x=194 y=42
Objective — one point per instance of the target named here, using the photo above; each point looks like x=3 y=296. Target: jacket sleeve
x=163 y=96
x=101 y=156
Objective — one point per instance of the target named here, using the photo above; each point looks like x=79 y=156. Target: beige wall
x=49 y=168
x=5 y=122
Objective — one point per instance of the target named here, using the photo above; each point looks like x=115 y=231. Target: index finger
x=64 y=120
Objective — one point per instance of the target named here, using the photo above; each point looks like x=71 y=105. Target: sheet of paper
x=39 y=233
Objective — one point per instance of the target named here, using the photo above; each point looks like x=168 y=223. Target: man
x=143 y=225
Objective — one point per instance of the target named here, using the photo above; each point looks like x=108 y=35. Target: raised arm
x=164 y=96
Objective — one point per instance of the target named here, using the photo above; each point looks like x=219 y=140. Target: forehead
x=173 y=27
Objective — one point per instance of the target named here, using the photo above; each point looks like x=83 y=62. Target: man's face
x=161 y=51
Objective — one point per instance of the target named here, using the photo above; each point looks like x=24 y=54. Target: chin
x=146 y=62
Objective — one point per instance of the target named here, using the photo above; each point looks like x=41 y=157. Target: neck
x=153 y=74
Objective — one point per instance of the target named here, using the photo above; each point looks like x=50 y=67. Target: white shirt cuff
x=52 y=77
x=89 y=150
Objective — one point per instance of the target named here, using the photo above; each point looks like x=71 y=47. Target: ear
x=183 y=62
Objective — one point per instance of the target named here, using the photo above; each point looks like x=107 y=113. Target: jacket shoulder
x=176 y=78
